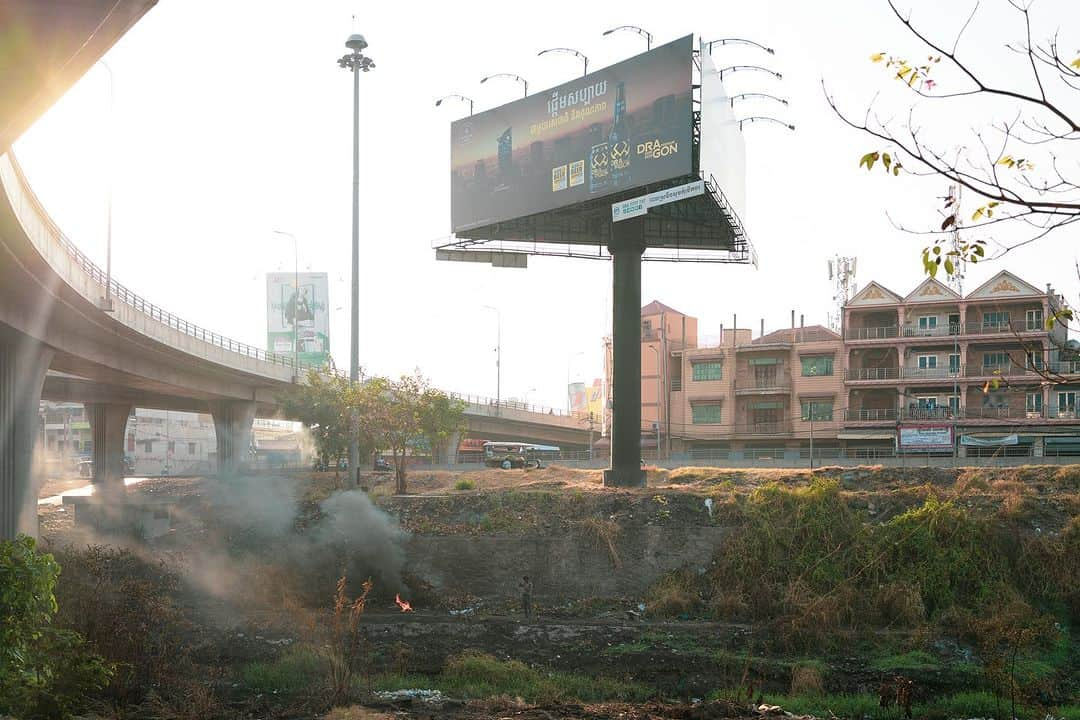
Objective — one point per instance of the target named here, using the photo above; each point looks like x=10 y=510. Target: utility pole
x=356 y=62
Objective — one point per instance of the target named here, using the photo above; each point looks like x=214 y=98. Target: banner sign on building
x=925 y=437
x=305 y=309
x=623 y=127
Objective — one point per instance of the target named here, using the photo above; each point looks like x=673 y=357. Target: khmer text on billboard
x=616 y=129
x=300 y=316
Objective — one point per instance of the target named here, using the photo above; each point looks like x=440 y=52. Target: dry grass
x=356 y=712
x=806 y=680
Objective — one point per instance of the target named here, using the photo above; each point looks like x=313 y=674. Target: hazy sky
x=232 y=120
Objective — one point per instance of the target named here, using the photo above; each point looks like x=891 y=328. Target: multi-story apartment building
x=927 y=372
x=982 y=371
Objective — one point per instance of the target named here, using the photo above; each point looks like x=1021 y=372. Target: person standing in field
x=526 y=588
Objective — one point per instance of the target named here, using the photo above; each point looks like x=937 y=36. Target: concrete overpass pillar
x=232 y=426
x=23 y=363
x=108 y=423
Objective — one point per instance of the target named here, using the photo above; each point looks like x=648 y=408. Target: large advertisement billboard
x=616 y=129
x=723 y=152
x=305 y=309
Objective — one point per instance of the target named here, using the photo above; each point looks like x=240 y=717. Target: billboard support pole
x=626 y=246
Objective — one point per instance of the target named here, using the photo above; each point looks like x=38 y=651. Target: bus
x=507 y=455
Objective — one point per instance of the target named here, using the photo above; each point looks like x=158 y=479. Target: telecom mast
x=842 y=275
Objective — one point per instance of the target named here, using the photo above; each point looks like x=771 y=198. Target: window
x=191 y=448
x=995 y=319
x=995 y=361
x=148 y=446
x=705 y=414
x=954 y=405
x=928 y=403
x=646 y=327
x=927 y=362
x=172 y=446
x=1067 y=402
x=954 y=324
x=954 y=363
x=1034 y=319
x=1034 y=403
x=928 y=322
x=819 y=365
x=707 y=370
x=817 y=409
x=1035 y=360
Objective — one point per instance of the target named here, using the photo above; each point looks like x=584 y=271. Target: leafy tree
x=441 y=417
x=1019 y=160
x=323 y=405
x=399 y=413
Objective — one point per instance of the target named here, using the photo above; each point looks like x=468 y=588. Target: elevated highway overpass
x=56 y=340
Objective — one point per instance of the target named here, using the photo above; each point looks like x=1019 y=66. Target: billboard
x=306 y=311
x=925 y=437
x=620 y=128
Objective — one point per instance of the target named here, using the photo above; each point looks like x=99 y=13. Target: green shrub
x=464 y=484
x=295 y=670
x=45 y=672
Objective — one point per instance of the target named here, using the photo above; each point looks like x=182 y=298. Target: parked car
x=381 y=465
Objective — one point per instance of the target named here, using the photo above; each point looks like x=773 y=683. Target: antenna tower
x=842 y=276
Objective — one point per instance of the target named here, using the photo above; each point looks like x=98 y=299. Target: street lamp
x=296 y=303
x=754 y=68
x=106 y=303
x=456 y=97
x=511 y=76
x=498 y=356
x=634 y=28
x=356 y=62
x=568 y=51
x=738 y=41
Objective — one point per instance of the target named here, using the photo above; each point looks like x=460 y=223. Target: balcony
x=947 y=330
x=998 y=371
x=930 y=373
x=1009 y=328
x=928 y=413
x=870 y=415
x=871 y=333
x=751 y=383
x=1071 y=367
x=872 y=373
x=779 y=427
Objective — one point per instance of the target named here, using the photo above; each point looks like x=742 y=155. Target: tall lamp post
x=106 y=302
x=296 y=303
x=355 y=62
x=498 y=356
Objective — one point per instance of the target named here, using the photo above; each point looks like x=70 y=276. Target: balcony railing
x=1070 y=367
x=870 y=414
x=946 y=330
x=873 y=373
x=929 y=413
x=780 y=427
x=749 y=382
x=918 y=373
x=976 y=370
x=871 y=333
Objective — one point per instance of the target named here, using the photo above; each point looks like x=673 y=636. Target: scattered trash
x=282 y=641
x=463 y=611
x=708 y=505
x=427 y=696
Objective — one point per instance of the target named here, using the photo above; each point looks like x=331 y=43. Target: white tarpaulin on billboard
x=723 y=152
x=308 y=308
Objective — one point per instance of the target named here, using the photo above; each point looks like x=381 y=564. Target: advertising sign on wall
x=305 y=308
x=616 y=129
x=925 y=437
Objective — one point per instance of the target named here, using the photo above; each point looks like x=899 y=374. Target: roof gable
x=1004 y=285
x=931 y=290
x=656 y=308
x=874 y=294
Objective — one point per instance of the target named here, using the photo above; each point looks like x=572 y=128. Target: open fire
x=405 y=605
